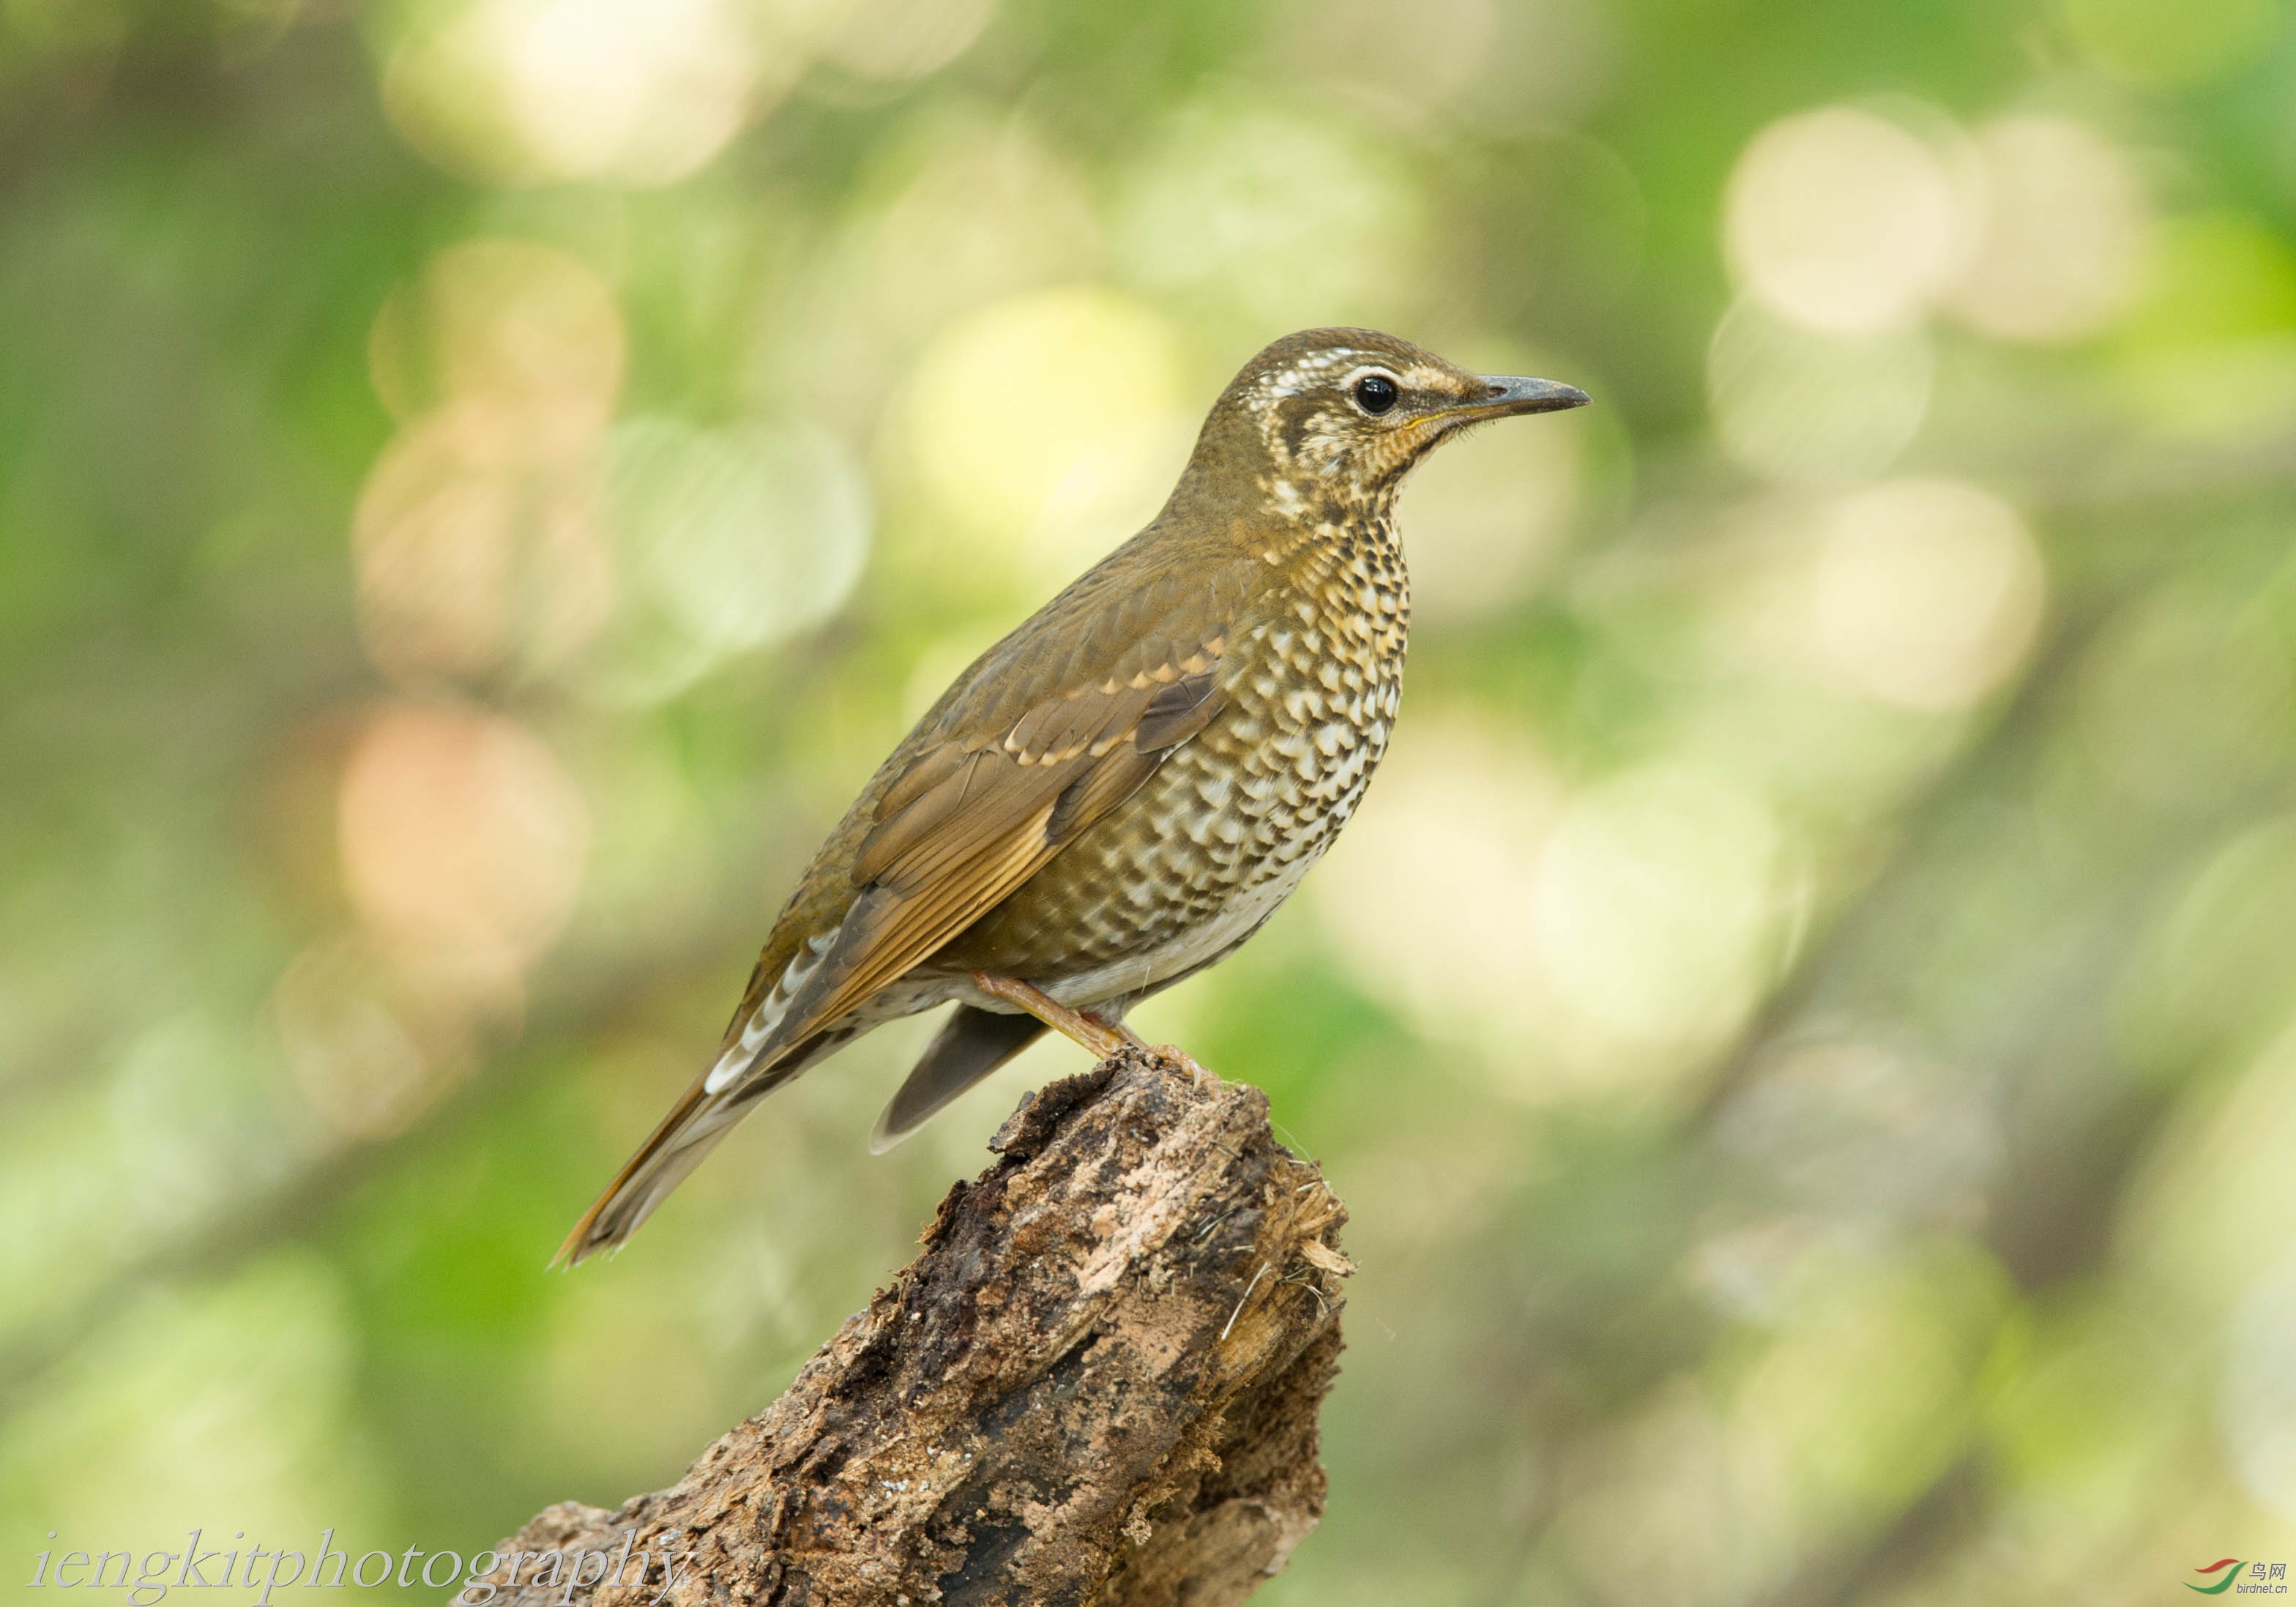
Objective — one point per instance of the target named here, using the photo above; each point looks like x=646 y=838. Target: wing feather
x=1044 y=734
x=945 y=852
x=887 y=931
x=1178 y=712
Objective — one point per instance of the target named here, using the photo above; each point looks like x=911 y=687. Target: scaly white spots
x=1227 y=824
x=743 y=1054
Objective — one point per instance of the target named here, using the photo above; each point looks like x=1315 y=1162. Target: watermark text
x=202 y=1564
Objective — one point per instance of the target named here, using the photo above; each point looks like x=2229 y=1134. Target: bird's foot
x=1094 y=1036
x=1170 y=1054
x=1197 y=1074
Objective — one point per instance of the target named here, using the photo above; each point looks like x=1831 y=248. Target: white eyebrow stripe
x=1321 y=366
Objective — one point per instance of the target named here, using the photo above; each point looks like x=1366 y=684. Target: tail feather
x=691 y=1130
x=970 y=1044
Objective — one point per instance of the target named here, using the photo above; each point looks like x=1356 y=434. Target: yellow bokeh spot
x=626 y=91
x=463 y=839
x=514 y=323
x=473 y=536
x=1842 y=220
x=1013 y=403
x=1652 y=907
x=1635 y=922
x=1928 y=592
x=2063 y=233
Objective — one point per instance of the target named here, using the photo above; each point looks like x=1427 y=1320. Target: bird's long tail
x=686 y=1135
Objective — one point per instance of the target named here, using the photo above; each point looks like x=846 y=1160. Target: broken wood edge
x=1097 y=1384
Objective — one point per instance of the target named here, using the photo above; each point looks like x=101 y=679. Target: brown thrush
x=1122 y=791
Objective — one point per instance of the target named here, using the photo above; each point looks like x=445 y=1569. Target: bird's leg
x=1099 y=1036
x=1118 y=1027
x=1172 y=1053
x=1098 y=1039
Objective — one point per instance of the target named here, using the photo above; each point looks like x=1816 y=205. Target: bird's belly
x=1192 y=945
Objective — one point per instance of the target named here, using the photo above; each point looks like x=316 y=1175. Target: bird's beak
x=1510 y=395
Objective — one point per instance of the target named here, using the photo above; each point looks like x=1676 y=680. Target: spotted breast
x=1224 y=830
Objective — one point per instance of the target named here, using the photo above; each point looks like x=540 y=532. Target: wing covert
x=970 y=821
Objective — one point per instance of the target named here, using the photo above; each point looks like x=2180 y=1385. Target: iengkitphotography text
x=147 y=1574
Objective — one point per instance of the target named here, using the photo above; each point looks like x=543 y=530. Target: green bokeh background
x=1801 y=1025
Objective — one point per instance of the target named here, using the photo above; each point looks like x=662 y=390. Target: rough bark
x=1097 y=1385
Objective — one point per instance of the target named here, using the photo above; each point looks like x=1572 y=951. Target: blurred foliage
x=1802 y=1024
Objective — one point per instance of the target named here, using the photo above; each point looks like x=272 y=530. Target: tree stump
x=1097 y=1385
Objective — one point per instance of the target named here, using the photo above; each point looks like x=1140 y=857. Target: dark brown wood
x=1097 y=1385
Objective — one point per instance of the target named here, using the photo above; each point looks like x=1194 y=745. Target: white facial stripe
x=1313 y=371
x=1342 y=368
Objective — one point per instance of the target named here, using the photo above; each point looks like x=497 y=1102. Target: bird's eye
x=1375 y=393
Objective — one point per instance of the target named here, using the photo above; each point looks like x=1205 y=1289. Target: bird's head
x=1331 y=420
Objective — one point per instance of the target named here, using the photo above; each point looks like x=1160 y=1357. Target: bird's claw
x=1197 y=1074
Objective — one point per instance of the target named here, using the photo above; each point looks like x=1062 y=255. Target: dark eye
x=1375 y=393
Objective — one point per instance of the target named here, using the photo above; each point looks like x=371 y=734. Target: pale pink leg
x=1097 y=1037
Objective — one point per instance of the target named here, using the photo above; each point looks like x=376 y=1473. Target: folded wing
x=967 y=820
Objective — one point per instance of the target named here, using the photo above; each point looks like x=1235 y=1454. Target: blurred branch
x=1098 y=1382
x=250 y=1225
x=303 y=1199
x=1834 y=947
x=575 y=1004
x=2095 y=476
x=2048 y=1217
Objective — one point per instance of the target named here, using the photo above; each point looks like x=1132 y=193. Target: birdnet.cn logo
x=2243 y=1579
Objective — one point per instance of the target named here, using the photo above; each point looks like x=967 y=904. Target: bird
x=1121 y=792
